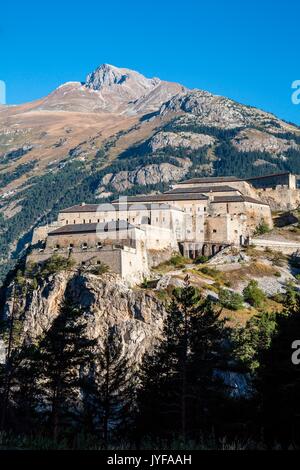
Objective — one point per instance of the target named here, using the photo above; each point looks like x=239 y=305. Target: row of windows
x=199 y=209
x=89 y=221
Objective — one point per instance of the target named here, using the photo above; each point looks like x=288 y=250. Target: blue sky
x=246 y=50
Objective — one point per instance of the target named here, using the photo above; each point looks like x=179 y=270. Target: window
x=214 y=230
x=67 y=222
x=90 y=221
x=84 y=221
x=204 y=209
x=74 y=221
x=57 y=246
x=71 y=245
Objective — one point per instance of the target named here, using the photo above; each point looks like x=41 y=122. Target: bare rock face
x=135 y=316
x=148 y=174
x=250 y=140
x=217 y=111
x=187 y=140
x=126 y=91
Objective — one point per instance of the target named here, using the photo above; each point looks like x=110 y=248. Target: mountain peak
x=107 y=75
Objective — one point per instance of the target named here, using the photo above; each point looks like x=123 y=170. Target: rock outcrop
x=148 y=174
x=217 y=111
x=134 y=316
x=250 y=140
x=186 y=140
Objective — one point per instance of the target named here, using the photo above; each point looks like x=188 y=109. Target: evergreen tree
x=251 y=340
x=278 y=381
x=110 y=390
x=11 y=335
x=59 y=360
x=178 y=383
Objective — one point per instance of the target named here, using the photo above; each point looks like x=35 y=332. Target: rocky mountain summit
x=114 y=90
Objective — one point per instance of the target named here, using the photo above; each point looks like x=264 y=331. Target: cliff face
x=135 y=316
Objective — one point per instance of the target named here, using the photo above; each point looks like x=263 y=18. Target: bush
x=56 y=264
x=178 y=261
x=99 y=269
x=201 y=259
x=231 y=300
x=211 y=272
x=262 y=228
x=253 y=294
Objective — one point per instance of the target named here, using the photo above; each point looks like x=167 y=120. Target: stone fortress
x=199 y=216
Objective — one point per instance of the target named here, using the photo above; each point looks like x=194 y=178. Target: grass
x=255 y=269
x=212 y=273
x=175 y=262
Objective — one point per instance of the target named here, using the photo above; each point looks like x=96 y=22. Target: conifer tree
x=110 y=389
x=176 y=377
x=278 y=380
x=60 y=358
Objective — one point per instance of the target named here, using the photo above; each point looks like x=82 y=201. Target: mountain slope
x=120 y=132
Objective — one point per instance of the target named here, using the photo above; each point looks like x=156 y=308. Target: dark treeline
x=72 y=391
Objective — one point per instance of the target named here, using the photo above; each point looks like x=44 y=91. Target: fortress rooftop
x=92 y=228
x=168 y=197
x=211 y=179
x=122 y=206
x=202 y=189
x=237 y=198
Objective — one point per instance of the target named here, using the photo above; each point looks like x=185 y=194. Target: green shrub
x=99 y=269
x=211 y=272
x=178 y=261
x=253 y=294
x=201 y=259
x=231 y=300
x=262 y=228
x=56 y=264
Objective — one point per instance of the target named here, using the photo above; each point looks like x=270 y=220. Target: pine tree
x=11 y=333
x=278 y=380
x=110 y=389
x=178 y=376
x=59 y=360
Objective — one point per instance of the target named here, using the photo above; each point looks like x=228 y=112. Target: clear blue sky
x=246 y=50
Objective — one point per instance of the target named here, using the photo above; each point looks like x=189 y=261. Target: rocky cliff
x=135 y=317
